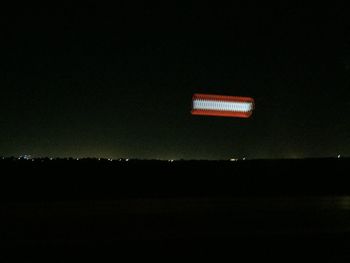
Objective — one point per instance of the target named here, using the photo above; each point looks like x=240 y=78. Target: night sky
x=99 y=81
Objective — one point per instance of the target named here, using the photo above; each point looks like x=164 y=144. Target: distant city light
x=339 y=156
x=233 y=160
x=219 y=105
x=25 y=157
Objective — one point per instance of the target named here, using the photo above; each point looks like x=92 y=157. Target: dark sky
x=105 y=81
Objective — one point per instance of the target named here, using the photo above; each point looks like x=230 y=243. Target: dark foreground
x=245 y=211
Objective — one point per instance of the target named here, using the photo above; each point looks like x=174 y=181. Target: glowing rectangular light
x=219 y=105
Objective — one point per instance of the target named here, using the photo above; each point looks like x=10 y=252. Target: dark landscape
x=277 y=208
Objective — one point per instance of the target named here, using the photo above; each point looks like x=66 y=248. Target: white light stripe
x=200 y=104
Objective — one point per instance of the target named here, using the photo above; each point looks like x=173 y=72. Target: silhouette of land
x=281 y=207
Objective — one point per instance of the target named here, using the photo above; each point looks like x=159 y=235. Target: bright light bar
x=218 y=105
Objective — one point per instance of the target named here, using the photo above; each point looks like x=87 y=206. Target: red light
x=220 y=105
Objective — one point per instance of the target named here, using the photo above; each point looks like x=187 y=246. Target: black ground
x=245 y=210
